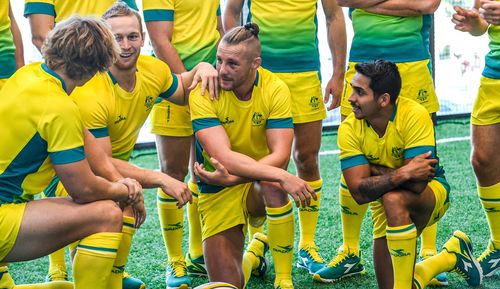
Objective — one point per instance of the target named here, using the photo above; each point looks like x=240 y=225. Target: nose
x=352 y=97
x=222 y=68
x=124 y=44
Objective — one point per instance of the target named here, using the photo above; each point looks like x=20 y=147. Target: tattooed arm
x=366 y=187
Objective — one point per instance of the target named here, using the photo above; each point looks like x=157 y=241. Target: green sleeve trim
x=39 y=8
x=67 y=156
x=171 y=90
x=158 y=15
x=353 y=161
x=131 y=4
x=415 y=151
x=218 y=13
x=99 y=132
x=280 y=123
x=202 y=123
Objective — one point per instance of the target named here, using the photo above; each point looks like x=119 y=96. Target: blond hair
x=120 y=9
x=81 y=47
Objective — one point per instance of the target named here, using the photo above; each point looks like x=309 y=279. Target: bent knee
x=108 y=216
x=274 y=196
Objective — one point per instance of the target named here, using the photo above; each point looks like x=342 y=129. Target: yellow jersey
x=245 y=122
x=40 y=126
x=109 y=110
x=194 y=34
x=7 y=47
x=63 y=9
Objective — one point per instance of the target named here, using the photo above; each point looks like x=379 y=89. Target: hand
x=135 y=200
x=334 y=88
x=490 y=11
x=466 y=20
x=208 y=76
x=134 y=189
x=177 y=190
x=139 y=212
x=298 y=189
x=219 y=177
x=420 y=168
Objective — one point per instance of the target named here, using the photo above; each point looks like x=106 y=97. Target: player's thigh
x=50 y=224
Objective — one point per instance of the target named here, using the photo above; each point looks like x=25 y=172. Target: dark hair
x=80 y=46
x=384 y=77
x=120 y=9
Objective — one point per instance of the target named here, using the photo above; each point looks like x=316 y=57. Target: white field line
x=444 y=140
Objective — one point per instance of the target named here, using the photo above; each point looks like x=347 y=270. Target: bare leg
x=224 y=255
x=50 y=224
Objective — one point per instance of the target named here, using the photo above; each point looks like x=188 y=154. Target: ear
x=143 y=37
x=257 y=61
x=384 y=100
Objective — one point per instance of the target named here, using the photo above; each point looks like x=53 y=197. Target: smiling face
x=128 y=33
x=362 y=99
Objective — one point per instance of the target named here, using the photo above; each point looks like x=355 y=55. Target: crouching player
x=388 y=155
x=249 y=132
x=43 y=134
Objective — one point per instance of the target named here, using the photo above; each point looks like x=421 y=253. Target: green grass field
x=148 y=258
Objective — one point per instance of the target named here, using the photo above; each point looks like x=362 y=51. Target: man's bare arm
x=40 y=25
x=335 y=25
x=232 y=14
x=160 y=33
x=18 y=40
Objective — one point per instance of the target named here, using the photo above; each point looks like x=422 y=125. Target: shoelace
x=485 y=254
x=312 y=251
x=179 y=268
x=338 y=259
x=58 y=273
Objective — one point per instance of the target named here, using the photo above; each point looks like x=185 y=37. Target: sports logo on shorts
x=314 y=102
x=397 y=153
x=257 y=119
x=148 y=102
x=423 y=95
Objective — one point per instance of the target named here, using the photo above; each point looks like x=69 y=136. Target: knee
x=274 y=196
x=395 y=208
x=177 y=172
x=481 y=161
x=306 y=159
x=109 y=216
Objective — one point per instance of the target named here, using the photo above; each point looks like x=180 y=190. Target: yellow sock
x=57 y=261
x=49 y=285
x=280 y=230
x=308 y=216
x=128 y=231
x=428 y=241
x=428 y=268
x=490 y=199
x=5 y=278
x=195 y=245
x=351 y=214
x=172 y=224
x=402 y=244
x=94 y=259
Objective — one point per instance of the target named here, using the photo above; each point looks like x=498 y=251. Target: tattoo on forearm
x=374 y=187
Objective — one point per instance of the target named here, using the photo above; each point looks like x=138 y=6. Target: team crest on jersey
x=422 y=95
x=397 y=153
x=314 y=102
x=257 y=119
x=227 y=120
x=148 y=102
